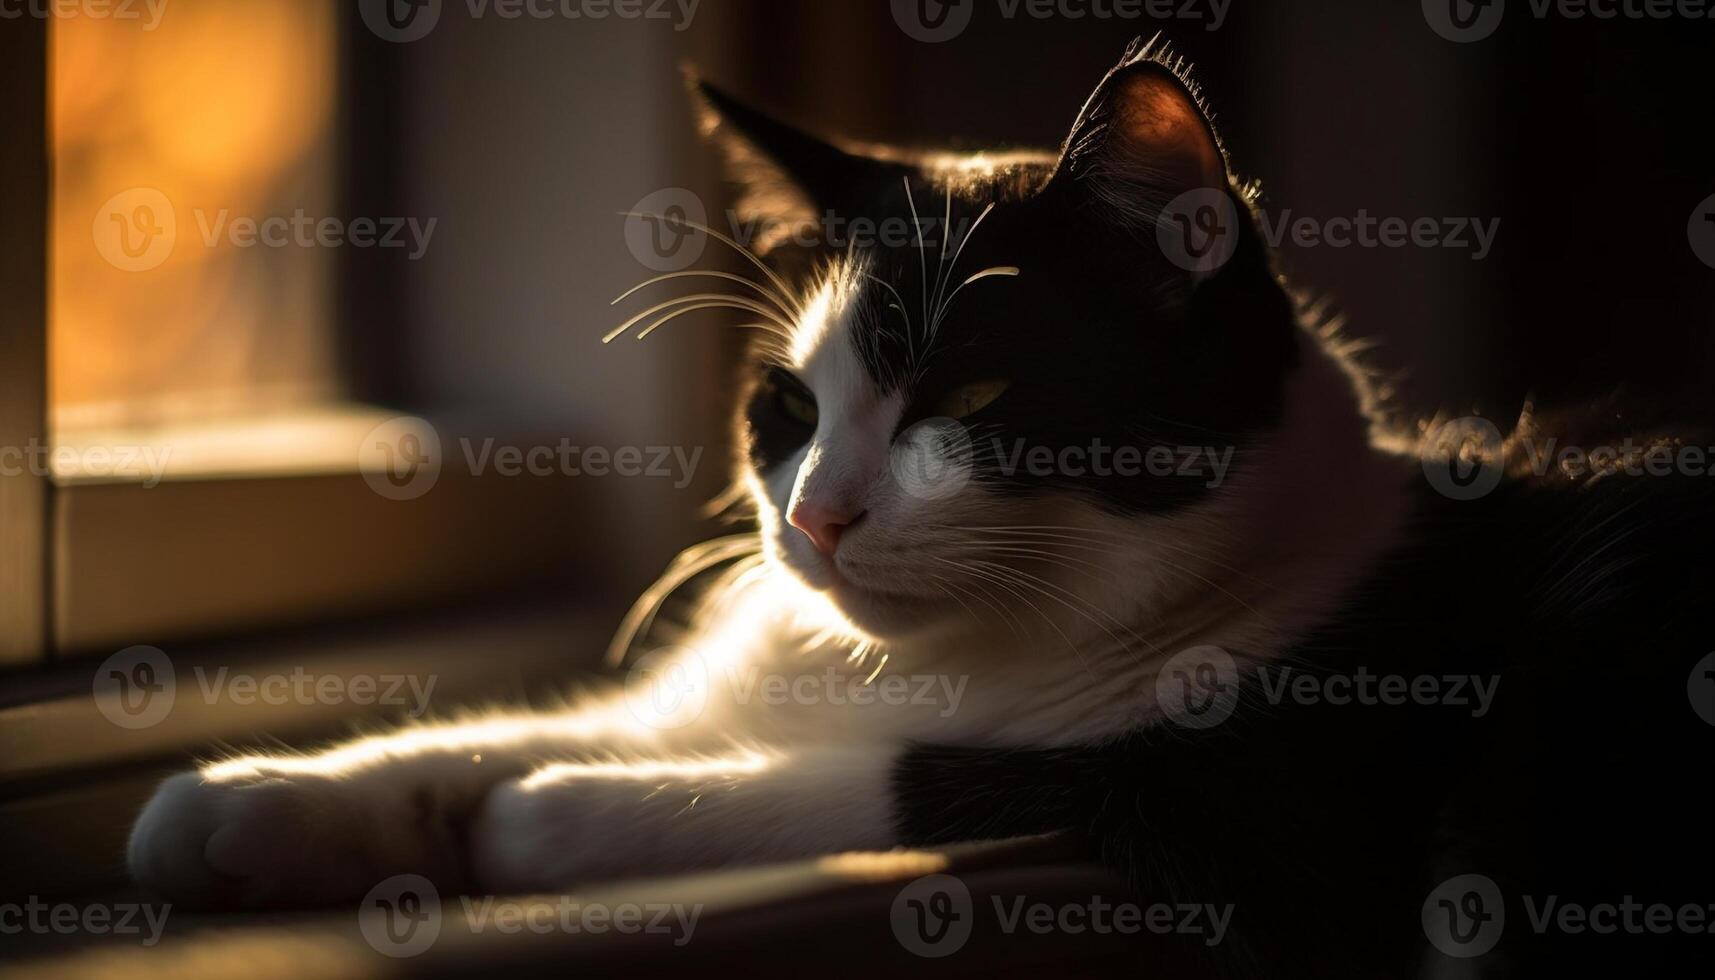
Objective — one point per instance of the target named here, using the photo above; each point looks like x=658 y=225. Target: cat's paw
x=252 y=843
x=526 y=840
x=510 y=849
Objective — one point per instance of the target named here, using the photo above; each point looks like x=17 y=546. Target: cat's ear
x=788 y=178
x=1143 y=137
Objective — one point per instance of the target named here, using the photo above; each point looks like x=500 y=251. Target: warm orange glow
x=871 y=866
x=743 y=763
x=217 y=107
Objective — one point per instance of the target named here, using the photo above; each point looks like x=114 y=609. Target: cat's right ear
x=1143 y=138
x=787 y=178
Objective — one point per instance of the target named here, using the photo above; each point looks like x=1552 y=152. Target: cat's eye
x=968 y=399
x=795 y=401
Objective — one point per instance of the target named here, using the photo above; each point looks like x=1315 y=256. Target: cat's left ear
x=788 y=178
x=1143 y=138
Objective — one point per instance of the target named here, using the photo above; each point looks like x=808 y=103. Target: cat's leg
x=581 y=821
x=282 y=830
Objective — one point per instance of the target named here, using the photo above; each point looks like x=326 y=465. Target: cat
x=1167 y=665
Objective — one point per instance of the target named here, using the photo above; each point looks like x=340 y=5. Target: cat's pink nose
x=822 y=524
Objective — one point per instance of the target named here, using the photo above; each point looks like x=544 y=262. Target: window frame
x=25 y=494
x=99 y=565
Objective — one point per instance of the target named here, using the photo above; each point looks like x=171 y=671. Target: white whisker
x=773 y=277
x=776 y=299
x=725 y=299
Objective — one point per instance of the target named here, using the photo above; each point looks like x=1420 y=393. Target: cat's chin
x=885 y=614
x=882 y=612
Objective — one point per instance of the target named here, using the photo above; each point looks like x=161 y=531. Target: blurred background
x=505 y=150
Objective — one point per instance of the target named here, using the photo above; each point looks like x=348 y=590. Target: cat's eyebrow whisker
x=998 y=270
x=946 y=233
x=940 y=304
x=768 y=294
x=922 y=257
x=715 y=299
x=646 y=331
x=773 y=277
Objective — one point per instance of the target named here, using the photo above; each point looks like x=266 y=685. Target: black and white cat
x=902 y=401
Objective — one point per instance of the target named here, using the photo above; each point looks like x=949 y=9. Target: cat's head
x=997 y=420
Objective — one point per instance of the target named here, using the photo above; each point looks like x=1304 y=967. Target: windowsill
x=837 y=915
x=310 y=441
x=219 y=528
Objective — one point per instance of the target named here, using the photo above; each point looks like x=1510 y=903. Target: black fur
x=1327 y=826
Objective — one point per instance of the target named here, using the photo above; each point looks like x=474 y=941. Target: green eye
x=798 y=407
x=969 y=398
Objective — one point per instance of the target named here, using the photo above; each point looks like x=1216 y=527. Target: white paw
x=509 y=845
x=526 y=841
x=260 y=842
